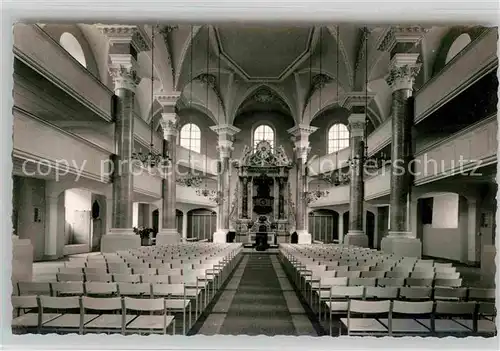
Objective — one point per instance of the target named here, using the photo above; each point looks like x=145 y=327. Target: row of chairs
x=84 y=314
x=331 y=294
x=424 y=318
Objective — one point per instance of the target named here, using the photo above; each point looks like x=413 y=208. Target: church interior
x=319 y=180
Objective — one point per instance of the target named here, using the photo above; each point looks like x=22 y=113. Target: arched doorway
x=323 y=225
x=370 y=228
x=156 y=222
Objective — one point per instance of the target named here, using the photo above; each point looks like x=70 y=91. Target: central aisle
x=258 y=306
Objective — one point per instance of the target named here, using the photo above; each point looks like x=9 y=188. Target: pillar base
x=220 y=236
x=120 y=239
x=304 y=237
x=167 y=237
x=401 y=244
x=356 y=238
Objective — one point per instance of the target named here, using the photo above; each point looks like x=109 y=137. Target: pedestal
x=356 y=238
x=167 y=237
x=22 y=260
x=120 y=239
x=304 y=237
x=401 y=244
x=220 y=236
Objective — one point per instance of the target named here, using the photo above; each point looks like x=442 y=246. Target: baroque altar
x=263 y=208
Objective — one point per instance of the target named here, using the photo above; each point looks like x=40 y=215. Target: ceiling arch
x=265 y=93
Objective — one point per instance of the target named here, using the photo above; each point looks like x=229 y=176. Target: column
x=402 y=72
x=301 y=134
x=244 y=201
x=168 y=233
x=472 y=231
x=226 y=133
x=341 y=227
x=184 y=226
x=281 y=196
x=125 y=42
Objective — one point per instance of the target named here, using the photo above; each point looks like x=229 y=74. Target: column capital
x=357 y=99
x=167 y=100
x=395 y=35
x=119 y=34
x=224 y=147
x=170 y=124
x=403 y=69
x=123 y=71
x=302 y=131
x=357 y=123
x=225 y=131
x=302 y=150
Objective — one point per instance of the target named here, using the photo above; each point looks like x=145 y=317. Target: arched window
x=263 y=132
x=458 y=45
x=338 y=137
x=73 y=47
x=191 y=137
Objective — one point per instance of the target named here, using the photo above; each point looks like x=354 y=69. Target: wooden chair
x=366 y=325
x=147 y=323
x=106 y=322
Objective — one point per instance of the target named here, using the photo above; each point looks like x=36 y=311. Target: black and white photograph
x=324 y=180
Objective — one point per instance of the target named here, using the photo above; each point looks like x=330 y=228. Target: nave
x=209 y=289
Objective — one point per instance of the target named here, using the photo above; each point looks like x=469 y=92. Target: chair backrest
x=126 y=278
x=34 y=288
x=415 y=293
x=412 y=307
x=145 y=305
x=444 y=293
x=487 y=309
x=362 y=281
x=146 y=278
x=102 y=304
x=482 y=294
x=70 y=270
x=378 y=292
x=334 y=281
x=369 y=307
x=373 y=274
x=398 y=282
x=347 y=291
x=452 y=308
x=67 y=288
x=59 y=302
x=73 y=277
x=101 y=288
x=98 y=277
x=349 y=274
x=441 y=275
x=419 y=282
x=422 y=275
x=397 y=274
x=27 y=301
x=134 y=289
x=448 y=282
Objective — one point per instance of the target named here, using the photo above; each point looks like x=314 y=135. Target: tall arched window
x=338 y=137
x=73 y=47
x=263 y=132
x=190 y=137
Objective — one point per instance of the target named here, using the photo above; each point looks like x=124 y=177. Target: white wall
x=445 y=211
x=75 y=200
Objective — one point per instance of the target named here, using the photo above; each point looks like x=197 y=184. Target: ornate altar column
x=225 y=147
x=168 y=233
x=403 y=70
x=301 y=134
x=244 y=197
x=125 y=44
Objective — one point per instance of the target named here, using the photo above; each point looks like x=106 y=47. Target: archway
x=370 y=228
x=201 y=224
x=324 y=225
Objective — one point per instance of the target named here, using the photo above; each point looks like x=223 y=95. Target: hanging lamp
x=368 y=163
x=311 y=196
x=190 y=180
x=211 y=194
x=151 y=159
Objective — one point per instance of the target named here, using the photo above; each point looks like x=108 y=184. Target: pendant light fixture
x=368 y=163
x=152 y=159
x=190 y=180
x=211 y=194
x=311 y=196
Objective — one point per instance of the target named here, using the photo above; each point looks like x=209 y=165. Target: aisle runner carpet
x=258 y=306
